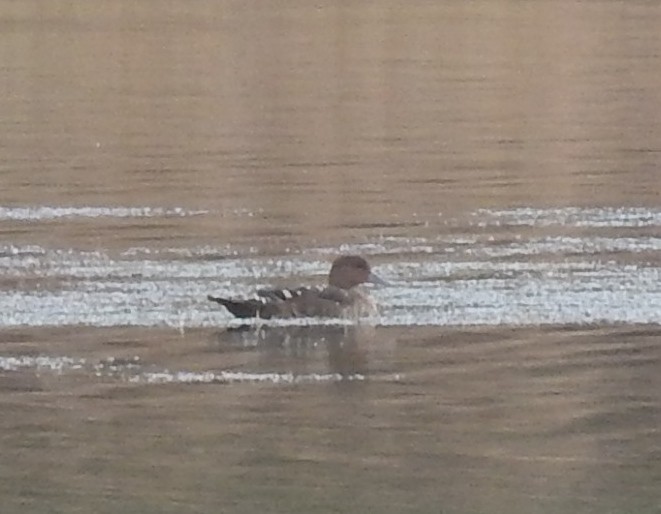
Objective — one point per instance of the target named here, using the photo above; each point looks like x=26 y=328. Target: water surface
x=496 y=162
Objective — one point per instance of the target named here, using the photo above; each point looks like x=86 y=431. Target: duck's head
x=351 y=270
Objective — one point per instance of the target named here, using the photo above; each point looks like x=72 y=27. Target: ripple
x=229 y=377
x=133 y=371
x=40 y=363
x=571 y=216
x=43 y=213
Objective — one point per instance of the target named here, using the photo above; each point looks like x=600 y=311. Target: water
x=474 y=277
x=496 y=162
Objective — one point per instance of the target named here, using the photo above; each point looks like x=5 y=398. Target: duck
x=340 y=298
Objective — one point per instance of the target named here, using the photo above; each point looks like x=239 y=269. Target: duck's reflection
x=329 y=349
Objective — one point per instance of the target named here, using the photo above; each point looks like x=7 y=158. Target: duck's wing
x=281 y=294
x=287 y=303
x=266 y=304
x=335 y=294
x=308 y=294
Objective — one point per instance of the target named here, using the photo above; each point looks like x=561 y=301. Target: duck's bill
x=376 y=279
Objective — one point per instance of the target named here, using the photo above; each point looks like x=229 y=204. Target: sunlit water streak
x=135 y=372
x=566 y=216
x=43 y=212
x=467 y=279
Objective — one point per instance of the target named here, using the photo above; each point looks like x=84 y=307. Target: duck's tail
x=242 y=308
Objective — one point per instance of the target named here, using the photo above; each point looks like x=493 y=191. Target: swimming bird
x=340 y=298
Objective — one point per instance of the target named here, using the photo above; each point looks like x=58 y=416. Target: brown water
x=497 y=161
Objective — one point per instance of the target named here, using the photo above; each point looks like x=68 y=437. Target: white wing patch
x=283 y=295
